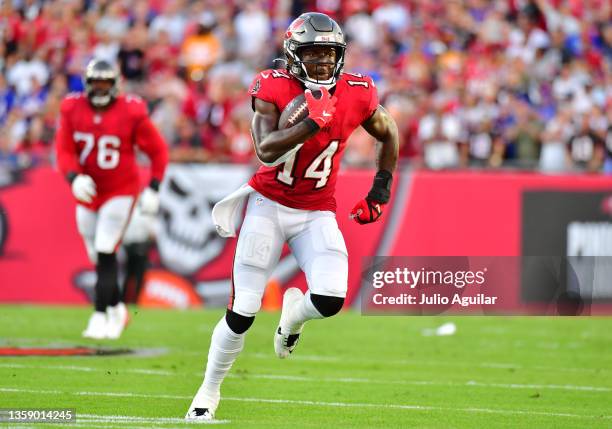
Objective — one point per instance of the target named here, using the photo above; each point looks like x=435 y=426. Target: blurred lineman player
x=96 y=139
x=291 y=198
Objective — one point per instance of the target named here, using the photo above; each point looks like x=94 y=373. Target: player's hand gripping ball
x=319 y=106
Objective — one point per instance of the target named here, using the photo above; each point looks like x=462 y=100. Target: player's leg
x=320 y=250
x=136 y=265
x=113 y=218
x=137 y=243
x=258 y=249
x=86 y=223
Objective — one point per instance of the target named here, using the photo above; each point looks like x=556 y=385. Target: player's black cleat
x=285 y=342
x=203 y=406
x=200 y=414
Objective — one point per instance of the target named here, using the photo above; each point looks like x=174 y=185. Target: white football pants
x=313 y=237
x=102 y=230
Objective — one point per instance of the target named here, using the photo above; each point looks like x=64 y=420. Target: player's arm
x=82 y=185
x=152 y=144
x=271 y=143
x=66 y=149
x=383 y=128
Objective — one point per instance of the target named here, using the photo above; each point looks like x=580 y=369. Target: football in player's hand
x=295 y=112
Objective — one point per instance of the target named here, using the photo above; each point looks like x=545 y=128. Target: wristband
x=311 y=124
x=154 y=184
x=70 y=176
x=381 y=188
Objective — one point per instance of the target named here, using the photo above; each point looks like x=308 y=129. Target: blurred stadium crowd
x=472 y=83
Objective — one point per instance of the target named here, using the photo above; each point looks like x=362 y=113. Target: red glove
x=320 y=110
x=371 y=207
x=367 y=211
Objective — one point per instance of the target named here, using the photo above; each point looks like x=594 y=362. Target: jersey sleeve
x=149 y=139
x=65 y=146
x=264 y=87
x=372 y=103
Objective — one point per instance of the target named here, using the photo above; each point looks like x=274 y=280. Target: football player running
x=98 y=132
x=291 y=197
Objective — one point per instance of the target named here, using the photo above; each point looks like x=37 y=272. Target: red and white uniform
x=294 y=202
x=101 y=144
x=307 y=181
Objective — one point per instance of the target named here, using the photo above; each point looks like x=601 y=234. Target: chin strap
x=317 y=86
x=101 y=100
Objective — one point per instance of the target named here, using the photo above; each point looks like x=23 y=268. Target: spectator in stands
x=523 y=137
x=484 y=147
x=253 y=30
x=513 y=69
x=608 y=140
x=440 y=134
x=28 y=70
x=201 y=50
x=554 y=137
x=585 y=147
x=172 y=20
x=131 y=57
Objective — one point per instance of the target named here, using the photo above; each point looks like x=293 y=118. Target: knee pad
x=237 y=322
x=246 y=302
x=327 y=305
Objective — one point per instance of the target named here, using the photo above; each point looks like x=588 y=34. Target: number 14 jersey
x=307 y=180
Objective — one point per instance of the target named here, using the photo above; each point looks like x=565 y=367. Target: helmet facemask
x=298 y=66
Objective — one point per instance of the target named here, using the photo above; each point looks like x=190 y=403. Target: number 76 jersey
x=101 y=144
x=307 y=180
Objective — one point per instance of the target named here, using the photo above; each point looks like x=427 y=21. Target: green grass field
x=350 y=371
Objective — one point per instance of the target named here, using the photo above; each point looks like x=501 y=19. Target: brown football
x=295 y=112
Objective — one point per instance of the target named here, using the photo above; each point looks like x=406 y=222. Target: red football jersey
x=308 y=179
x=101 y=143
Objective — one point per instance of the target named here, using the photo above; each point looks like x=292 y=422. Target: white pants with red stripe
x=103 y=230
x=313 y=238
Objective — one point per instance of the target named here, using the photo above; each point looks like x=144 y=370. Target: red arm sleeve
x=151 y=142
x=65 y=146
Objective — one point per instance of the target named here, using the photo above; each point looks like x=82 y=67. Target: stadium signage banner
x=573 y=231
x=431 y=213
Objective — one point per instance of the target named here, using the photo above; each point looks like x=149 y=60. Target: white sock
x=225 y=346
x=302 y=312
